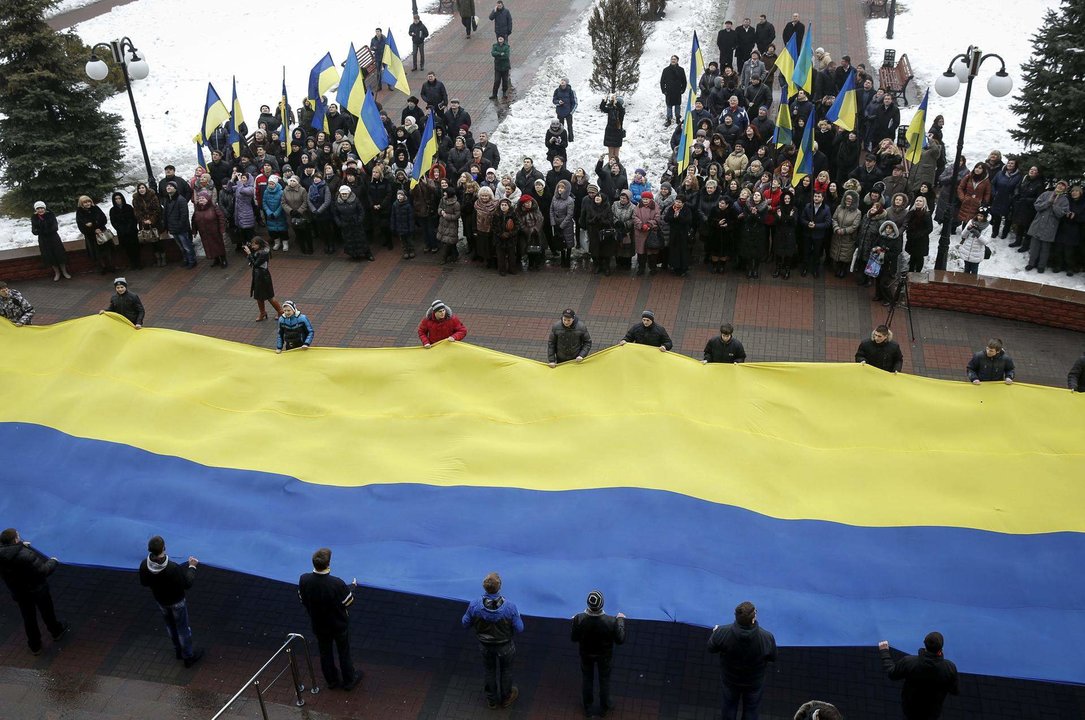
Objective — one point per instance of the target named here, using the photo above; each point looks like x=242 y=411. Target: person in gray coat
x=1051 y=207
x=569 y=340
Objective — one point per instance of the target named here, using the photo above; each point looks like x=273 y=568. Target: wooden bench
x=877 y=8
x=894 y=79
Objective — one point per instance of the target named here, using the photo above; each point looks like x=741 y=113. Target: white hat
x=344 y=190
x=39 y=204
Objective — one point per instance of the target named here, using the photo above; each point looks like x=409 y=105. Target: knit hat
x=525 y=199
x=595 y=601
x=120 y=281
x=640 y=171
x=593 y=186
x=344 y=190
x=647 y=195
x=290 y=304
x=569 y=313
x=648 y=314
x=273 y=179
x=39 y=204
x=439 y=305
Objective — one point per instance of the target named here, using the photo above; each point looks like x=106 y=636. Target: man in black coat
x=1075 y=379
x=434 y=94
x=569 y=340
x=747 y=40
x=817 y=221
x=672 y=83
x=867 y=174
x=168 y=582
x=26 y=573
x=125 y=303
x=648 y=332
x=881 y=351
x=928 y=677
x=727 y=42
x=597 y=633
x=764 y=33
x=455 y=117
x=502 y=20
x=376 y=46
x=745 y=650
x=794 y=28
x=724 y=348
x=171 y=177
x=526 y=177
x=991 y=364
x=327 y=599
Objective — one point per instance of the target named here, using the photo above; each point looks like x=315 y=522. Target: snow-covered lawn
x=926 y=30
x=207 y=41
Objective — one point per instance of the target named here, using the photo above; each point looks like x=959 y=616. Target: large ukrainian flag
x=851 y=505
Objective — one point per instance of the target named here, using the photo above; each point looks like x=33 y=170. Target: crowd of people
x=745 y=648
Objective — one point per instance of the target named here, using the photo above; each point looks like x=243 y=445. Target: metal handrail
x=299 y=688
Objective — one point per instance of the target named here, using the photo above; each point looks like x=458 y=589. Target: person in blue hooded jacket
x=495 y=621
x=295 y=330
x=272 y=205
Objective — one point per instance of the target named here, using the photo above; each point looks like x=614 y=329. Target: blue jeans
x=749 y=697
x=176 y=617
x=188 y=251
x=677 y=110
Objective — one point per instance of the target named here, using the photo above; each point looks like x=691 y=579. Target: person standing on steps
x=418 y=32
x=502 y=66
x=168 y=582
x=26 y=572
x=495 y=621
x=376 y=46
x=44 y=224
x=327 y=599
x=502 y=20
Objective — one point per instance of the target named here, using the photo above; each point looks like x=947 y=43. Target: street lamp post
x=134 y=67
x=892 y=17
x=963 y=69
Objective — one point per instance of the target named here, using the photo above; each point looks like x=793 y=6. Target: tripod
x=901 y=294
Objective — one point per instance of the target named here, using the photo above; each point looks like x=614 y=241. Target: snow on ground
x=989 y=118
x=68 y=5
x=647 y=141
x=186 y=52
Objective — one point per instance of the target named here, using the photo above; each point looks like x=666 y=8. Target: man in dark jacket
x=867 y=174
x=745 y=650
x=747 y=40
x=527 y=175
x=648 y=332
x=727 y=42
x=764 y=33
x=991 y=364
x=327 y=599
x=171 y=177
x=928 y=678
x=26 y=573
x=455 y=117
x=434 y=94
x=495 y=621
x=672 y=83
x=565 y=104
x=569 y=340
x=168 y=582
x=794 y=28
x=724 y=348
x=500 y=52
x=126 y=303
x=1075 y=379
x=818 y=220
x=502 y=20
x=881 y=351
x=418 y=32
x=176 y=218
x=376 y=46
x=597 y=634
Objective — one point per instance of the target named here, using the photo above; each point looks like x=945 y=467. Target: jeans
x=327 y=658
x=677 y=110
x=30 y=605
x=497 y=665
x=176 y=617
x=188 y=251
x=750 y=698
x=588 y=663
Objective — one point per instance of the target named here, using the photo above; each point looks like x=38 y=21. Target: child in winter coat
x=974 y=240
x=401 y=223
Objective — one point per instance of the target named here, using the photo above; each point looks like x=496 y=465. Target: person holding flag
x=782 y=135
x=803 y=76
x=785 y=63
x=237 y=129
x=845 y=109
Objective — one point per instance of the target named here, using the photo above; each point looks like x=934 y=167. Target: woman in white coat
x=974 y=240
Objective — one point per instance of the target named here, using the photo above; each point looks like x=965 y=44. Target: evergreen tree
x=55 y=141
x=618 y=35
x=1051 y=104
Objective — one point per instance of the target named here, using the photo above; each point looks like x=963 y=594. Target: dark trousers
x=508 y=259
x=814 y=248
x=497 y=666
x=303 y=234
x=885 y=283
x=30 y=605
x=588 y=664
x=428 y=224
x=972 y=268
x=996 y=223
x=749 y=698
x=501 y=77
x=418 y=56
x=677 y=110
x=327 y=658
x=568 y=122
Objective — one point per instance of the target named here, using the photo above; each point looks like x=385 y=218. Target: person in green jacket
x=502 y=65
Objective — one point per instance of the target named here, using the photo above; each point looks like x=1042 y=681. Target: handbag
x=299 y=221
x=148 y=235
x=654 y=241
x=874 y=263
x=986 y=253
x=104 y=236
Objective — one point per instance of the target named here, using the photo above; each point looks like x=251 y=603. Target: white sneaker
x=278 y=245
x=286 y=246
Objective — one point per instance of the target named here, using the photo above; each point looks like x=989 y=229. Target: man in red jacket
x=440 y=324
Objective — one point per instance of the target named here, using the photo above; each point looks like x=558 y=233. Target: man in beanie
x=928 y=677
x=569 y=340
x=440 y=324
x=495 y=621
x=26 y=572
x=648 y=332
x=125 y=303
x=597 y=634
x=168 y=582
x=745 y=650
